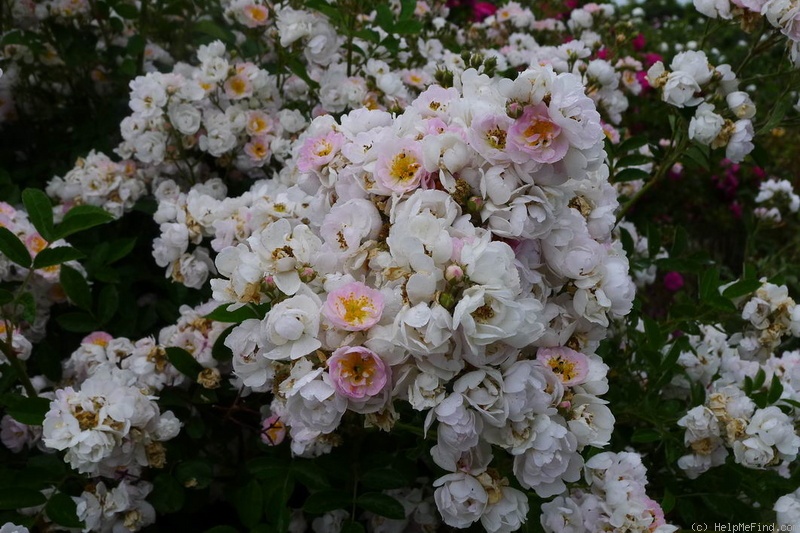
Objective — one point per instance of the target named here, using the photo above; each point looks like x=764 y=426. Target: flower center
x=404 y=167
x=565 y=369
x=357 y=309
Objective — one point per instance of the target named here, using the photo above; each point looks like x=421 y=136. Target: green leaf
x=194 y=474
x=40 y=212
x=405 y=27
x=653 y=240
x=26 y=410
x=382 y=504
x=629 y=174
x=126 y=11
x=28 y=305
x=267 y=467
x=775 y=390
x=56 y=256
x=62 y=510
x=634 y=143
x=107 y=304
x=310 y=474
x=383 y=478
x=741 y=288
x=76 y=287
x=249 y=503
x=212 y=29
x=77 y=322
x=222 y=529
x=120 y=248
x=277 y=493
x=352 y=527
x=645 y=435
x=221 y=314
x=776 y=115
x=760 y=379
x=668 y=502
x=19 y=497
x=634 y=160
x=184 y=362
x=327 y=500
x=709 y=282
x=5 y=296
x=384 y=17
x=168 y=495
x=219 y=351
x=12 y=247
x=79 y=218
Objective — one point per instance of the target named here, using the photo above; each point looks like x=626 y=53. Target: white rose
x=291 y=327
x=705 y=124
x=460 y=498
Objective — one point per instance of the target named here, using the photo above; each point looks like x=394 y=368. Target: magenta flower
x=673 y=281
x=357 y=372
x=481 y=10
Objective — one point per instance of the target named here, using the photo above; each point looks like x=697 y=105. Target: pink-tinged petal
x=354 y=307
x=569 y=366
x=357 y=372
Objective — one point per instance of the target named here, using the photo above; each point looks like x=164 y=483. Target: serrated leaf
x=56 y=256
x=184 y=362
x=221 y=314
x=19 y=497
x=327 y=500
x=382 y=504
x=40 y=211
x=77 y=322
x=79 y=218
x=249 y=503
x=13 y=248
x=26 y=410
x=62 y=510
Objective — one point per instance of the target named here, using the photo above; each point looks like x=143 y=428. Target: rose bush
x=408 y=266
